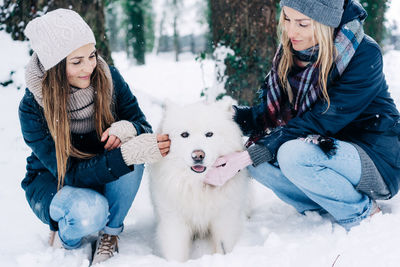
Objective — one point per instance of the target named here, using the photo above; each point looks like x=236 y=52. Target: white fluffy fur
x=185 y=207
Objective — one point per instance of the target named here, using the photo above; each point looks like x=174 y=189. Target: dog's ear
x=226 y=104
x=168 y=106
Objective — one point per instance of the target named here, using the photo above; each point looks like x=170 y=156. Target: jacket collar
x=353 y=10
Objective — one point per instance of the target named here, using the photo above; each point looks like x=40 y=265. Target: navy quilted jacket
x=40 y=182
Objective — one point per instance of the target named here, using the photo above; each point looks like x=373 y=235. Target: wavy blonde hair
x=56 y=94
x=326 y=56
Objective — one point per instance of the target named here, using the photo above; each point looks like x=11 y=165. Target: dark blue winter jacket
x=40 y=182
x=361 y=111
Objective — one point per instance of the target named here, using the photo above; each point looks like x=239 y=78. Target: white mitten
x=124 y=130
x=141 y=149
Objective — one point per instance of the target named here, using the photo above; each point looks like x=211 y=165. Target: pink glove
x=226 y=167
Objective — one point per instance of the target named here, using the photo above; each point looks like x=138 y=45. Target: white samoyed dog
x=185 y=207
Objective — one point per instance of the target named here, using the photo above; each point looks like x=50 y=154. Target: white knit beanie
x=57 y=34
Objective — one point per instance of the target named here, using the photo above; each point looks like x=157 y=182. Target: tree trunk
x=177 y=47
x=160 y=32
x=139 y=47
x=137 y=20
x=24 y=11
x=135 y=35
x=249 y=29
x=374 y=24
x=176 y=40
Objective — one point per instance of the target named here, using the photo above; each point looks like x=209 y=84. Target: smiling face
x=299 y=29
x=80 y=65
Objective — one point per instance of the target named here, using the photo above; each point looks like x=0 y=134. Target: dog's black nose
x=198 y=155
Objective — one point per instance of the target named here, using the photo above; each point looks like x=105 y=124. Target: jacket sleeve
x=246 y=118
x=126 y=104
x=105 y=167
x=349 y=96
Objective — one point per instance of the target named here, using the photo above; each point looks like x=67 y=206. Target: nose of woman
x=87 y=67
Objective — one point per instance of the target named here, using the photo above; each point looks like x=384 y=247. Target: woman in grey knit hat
x=88 y=136
x=325 y=137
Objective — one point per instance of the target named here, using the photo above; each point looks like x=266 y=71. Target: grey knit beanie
x=328 y=12
x=56 y=34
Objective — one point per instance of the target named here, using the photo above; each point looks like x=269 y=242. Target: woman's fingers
x=163 y=141
x=162 y=137
x=116 y=144
x=104 y=136
x=163 y=144
x=110 y=142
x=164 y=151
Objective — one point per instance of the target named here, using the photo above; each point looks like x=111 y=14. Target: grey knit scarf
x=81 y=101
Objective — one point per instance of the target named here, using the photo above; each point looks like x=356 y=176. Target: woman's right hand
x=113 y=141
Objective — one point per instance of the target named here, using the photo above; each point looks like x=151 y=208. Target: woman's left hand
x=112 y=141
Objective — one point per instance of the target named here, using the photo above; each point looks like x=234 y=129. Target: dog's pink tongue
x=198 y=168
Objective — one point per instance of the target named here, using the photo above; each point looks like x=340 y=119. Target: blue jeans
x=307 y=179
x=83 y=211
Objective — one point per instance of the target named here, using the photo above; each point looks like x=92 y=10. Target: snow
x=393 y=11
x=274 y=235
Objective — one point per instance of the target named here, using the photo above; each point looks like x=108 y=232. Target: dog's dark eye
x=209 y=134
x=185 y=134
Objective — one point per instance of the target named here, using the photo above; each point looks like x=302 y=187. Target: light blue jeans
x=309 y=181
x=82 y=211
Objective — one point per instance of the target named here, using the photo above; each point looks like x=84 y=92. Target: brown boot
x=106 y=245
x=54 y=240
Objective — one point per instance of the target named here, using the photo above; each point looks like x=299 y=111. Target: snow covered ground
x=275 y=235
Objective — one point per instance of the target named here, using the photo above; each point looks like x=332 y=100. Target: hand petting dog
x=226 y=167
x=145 y=148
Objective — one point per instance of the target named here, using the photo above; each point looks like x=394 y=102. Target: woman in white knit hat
x=88 y=136
x=325 y=137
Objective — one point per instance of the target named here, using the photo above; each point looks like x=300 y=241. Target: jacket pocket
x=382 y=124
x=395 y=130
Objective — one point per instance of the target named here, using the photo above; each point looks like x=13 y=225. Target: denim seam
x=359 y=218
x=66 y=246
x=113 y=231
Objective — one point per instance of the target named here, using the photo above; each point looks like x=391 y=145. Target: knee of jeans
x=89 y=211
x=256 y=172
x=292 y=153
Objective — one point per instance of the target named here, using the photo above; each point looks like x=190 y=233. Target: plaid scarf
x=275 y=109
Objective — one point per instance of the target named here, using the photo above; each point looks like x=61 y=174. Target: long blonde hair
x=326 y=55
x=56 y=93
